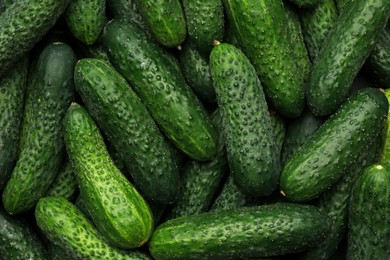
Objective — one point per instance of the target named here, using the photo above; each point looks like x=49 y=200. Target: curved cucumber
x=65 y=184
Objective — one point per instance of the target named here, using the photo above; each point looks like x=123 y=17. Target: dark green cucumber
x=65 y=184
x=262 y=30
x=306 y=3
x=335 y=146
x=129 y=127
x=67 y=227
x=205 y=22
x=316 y=24
x=18 y=240
x=369 y=210
x=56 y=252
x=253 y=156
x=279 y=129
x=117 y=209
x=345 y=50
x=165 y=19
x=80 y=204
x=196 y=71
x=23 y=24
x=12 y=89
x=162 y=88
x=341 y=4
x=247 y=232
x=49 y=93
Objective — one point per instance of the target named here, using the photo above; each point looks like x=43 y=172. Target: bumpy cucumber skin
x=196 y=70
x=279 y=129
x=250 y=142
x=205 y=22
x=369 y=211
x=247 y=232
x=316 y=24
x=262 y=29
x=306 y=3
x=23 y=24
x=335 y=146
x=65 y=183
x=12 y=89
x=165 y=19
x=68 y=228
x=345 y=50
x=158 y=81
x=18 y=240
x=49 y=93
x=128 y=125
x=117 y=209
x=229 y=198
x=341 y=4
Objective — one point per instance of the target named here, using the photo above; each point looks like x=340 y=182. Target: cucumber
x=341 y=4
x=18 y=240
x=80 y=204
x=34 y=18
x=306 y=3
x=253 y=157
x=345 y=50
x=129 y=127
x=68 y=228
x=205 y=22
x=12 y=89
x=49 y=93
x=335 y=146
x=65 y=184
x=117 y=209
x=279 y=129
x=165 y=19
x=369 y=212
x=247 y=232
x=262 y=30
x=158 y=81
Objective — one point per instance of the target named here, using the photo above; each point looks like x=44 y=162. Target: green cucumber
x=344 y=52
x=205 y=22
x=253 y=156
x=165 y=19
x=23 y=24
x=247 y=232
x=117 y=209
x=65 y=184
x=58 y=253
x=129 y=127
x=279 y=129
x=341 y=4
x=49 y=93
x=80 y=204
x=162 y=88
x=369 y=210
x=335 y=146
x=68 y=228
x=262 y=30
x=306 y=3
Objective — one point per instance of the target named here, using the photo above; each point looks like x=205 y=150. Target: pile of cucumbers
x=194 y=129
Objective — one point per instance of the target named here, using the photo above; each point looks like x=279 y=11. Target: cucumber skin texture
x=205 y=22
x=279 y=128
x=34 y=18
x=18 y=239
x=67 y=227
x=368 y=215
x=254 y=159
x=345 y=50
x=109 y=197
x=12 y=89
x=158 y=81
x=128 y=125
x=294 y=228
x=165 y=19
x=319 y=164
x=49 y=93
x=316 y=25
x=65 y=184
x=306 y=3
x=262 y=29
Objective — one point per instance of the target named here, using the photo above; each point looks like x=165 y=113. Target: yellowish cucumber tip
x=381 y=89
x=379 y=167
x=216 y=43
x=179 y=48
x=73 y=104
x=282 y=192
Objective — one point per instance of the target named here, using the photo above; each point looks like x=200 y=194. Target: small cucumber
x=65 y=184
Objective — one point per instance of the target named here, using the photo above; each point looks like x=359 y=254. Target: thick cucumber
x=117 y=209
x=369 y=210
x=12 y=88
x=253 y=156
x=335 y=146
x=49 y=93
x=23 y=24
x=306 y=3
x=247 y=232
x=162 y=88
x=86 y=19
x=345 y=50
x=165 y=19
x=68 y=228
x=129 y=127
x=262 y=30
x=65 y=184
x=205 y=22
